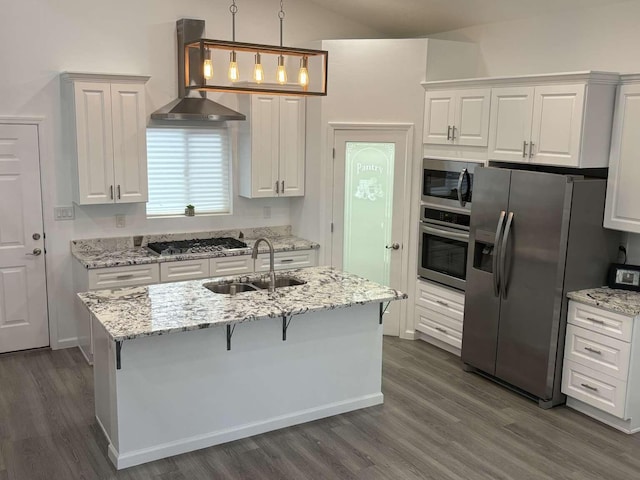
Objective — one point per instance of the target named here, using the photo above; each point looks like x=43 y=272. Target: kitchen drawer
x=237 y=265
x=287 y=260
x=594 y=388
x=127 y=276
x=599 y=352
x=439 y=326
x=601 y=321
x=440 y=299
x=184 y=270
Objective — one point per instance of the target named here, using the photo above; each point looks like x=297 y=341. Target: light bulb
x=208 y=66
x=281 y=73
x=234 y=73
x=303 y=73
x=258 y=72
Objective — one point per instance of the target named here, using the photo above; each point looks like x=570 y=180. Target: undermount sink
x=237 y=287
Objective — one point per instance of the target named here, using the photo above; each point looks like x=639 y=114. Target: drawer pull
x=124 y=277
x=286 y=260
x=440 y=302
x=440 y=329
x=595 y=320
x=593 y=350
x=589 y=387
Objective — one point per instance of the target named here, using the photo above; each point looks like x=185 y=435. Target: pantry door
x=23 y=293
x=370 y=206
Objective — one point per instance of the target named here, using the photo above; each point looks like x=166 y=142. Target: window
x=188 y=166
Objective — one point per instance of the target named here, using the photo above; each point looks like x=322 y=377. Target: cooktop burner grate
x=196 y=246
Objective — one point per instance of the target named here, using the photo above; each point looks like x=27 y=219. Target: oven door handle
x=446 y=233
x=496 y=254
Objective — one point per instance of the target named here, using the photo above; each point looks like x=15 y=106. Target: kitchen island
x=178 y=367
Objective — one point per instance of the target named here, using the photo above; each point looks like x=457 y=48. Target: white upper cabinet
x=272 y=146
x=622 y=210
x=457 y=117
x=106 y=121
x=511 y=114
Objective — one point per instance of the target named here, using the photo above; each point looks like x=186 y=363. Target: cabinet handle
x=111 y=191
x=286 y=260
x=448 y=132
x=444 y=304
x=595 y=320
x=593 y=350
x=277 y=186
x=453 y=133
x=124 y=277
x=119 y=192
x=531 y=149
x=524 y=149
x=589 y=387
x=440 y=329
x=282 y=189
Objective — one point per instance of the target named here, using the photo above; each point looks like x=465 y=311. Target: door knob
x=36 y=252
x=395 y=246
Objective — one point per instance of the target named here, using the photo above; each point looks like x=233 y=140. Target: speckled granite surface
x=120 y=251
x=619 y=301
x=134 y=312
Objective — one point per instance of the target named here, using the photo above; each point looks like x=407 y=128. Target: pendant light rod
x=281 y=15
x=233 y=9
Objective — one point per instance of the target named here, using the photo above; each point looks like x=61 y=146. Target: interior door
x=369 y=209
x=439 y=112
x=510 y=125
x=534 y=247
x=482 y=299
x=23 y=296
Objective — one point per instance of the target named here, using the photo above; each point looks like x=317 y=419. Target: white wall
x=603 y=38
x=40 y=38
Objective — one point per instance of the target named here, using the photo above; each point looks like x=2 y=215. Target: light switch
x=64 y=213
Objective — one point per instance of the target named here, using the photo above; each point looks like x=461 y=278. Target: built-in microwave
x=448 y=183
x=443 y=246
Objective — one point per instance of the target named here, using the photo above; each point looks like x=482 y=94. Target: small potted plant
x=189 y=210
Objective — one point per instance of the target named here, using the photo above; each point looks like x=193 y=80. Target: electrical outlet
x=121 y=221
x=64 y=213
x=267 y=212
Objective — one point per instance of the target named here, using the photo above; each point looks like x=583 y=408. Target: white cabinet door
x=265 y=138
x=287 y=260
x=292 y=146
x=184 y=270
x=471 y=125
x=439 y=114
x=235 y=265
x=623 y=194
x=557 y=125
x=94 y=142
x=510 y=124
x=129 y=142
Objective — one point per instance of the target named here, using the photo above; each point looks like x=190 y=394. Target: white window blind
x=188 y=166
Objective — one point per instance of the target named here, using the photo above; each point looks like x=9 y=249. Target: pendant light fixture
x=303 y=73
x=258 y=72
x=208 y=65
x=234 y=73
x=281 y=72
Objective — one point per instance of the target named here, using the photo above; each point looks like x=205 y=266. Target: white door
x=23 y=295
x=557 y=125
x=472 y=117
x=265 y=139
x=439 y=112
x=369 y=209
x=292 y=146
x=129 y=142
x=510 y=125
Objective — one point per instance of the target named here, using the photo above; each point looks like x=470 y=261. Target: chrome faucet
x=272 y=273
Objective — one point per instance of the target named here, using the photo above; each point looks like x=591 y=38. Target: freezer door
x=534 y=246
x=482 y=301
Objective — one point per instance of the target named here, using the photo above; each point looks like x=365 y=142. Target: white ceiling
x=408 y=18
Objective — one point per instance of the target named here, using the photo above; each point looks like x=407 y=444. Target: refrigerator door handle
x=496 y=253
x=460 y=180
x=503 y=255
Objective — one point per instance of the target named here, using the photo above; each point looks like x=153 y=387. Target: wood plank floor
x=437 y=422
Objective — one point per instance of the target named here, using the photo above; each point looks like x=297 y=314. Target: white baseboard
x=185 y=445
x=65 y=343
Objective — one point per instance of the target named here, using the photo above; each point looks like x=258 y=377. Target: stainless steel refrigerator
x=533 y=237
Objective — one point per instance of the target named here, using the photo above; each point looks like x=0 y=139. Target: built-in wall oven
x=447 y=183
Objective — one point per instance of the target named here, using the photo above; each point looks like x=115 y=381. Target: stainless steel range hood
x=198 y=109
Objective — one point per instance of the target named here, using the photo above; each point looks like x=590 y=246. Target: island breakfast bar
x=178 y=367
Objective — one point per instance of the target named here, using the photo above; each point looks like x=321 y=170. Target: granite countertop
x=619 y=301
x=117 y=252
x=134 y=312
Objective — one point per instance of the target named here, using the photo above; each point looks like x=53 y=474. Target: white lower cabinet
x=287 y=260
x=222 y=266
x=184 y=270
x=439 y=313
x=601 y=370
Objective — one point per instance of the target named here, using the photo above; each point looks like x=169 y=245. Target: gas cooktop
x=203 y=245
